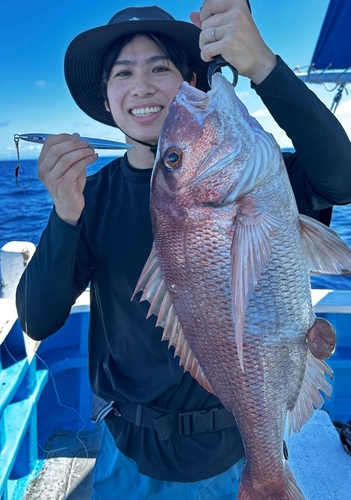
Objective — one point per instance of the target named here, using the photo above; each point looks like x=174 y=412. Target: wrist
x=261 y=71
x=69 y=218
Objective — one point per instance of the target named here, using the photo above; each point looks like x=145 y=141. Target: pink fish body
x=229 y=275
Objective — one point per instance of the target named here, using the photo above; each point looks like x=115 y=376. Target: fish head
x=206 y=148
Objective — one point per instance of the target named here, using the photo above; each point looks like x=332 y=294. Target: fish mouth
x=192 y=96
x=202 y=104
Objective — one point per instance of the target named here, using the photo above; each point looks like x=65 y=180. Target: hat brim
x=84 y=55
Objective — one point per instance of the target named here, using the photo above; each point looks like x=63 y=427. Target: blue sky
x=35 y=35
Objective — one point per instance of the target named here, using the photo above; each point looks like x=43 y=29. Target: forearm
x=50 y=284
x=323 y=149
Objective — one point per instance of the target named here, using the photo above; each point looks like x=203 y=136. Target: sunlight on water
x=24 y=213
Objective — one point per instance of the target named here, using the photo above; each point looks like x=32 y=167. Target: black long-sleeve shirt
x=109 y=247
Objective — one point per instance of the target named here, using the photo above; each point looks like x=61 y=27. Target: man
x=155 y=445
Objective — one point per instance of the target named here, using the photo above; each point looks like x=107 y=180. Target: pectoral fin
x=250 y=254
x=325 y=250
x=161 y=305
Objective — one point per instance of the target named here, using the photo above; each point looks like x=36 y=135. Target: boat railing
x=343 y=272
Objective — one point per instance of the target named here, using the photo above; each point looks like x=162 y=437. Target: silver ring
x=213 y=34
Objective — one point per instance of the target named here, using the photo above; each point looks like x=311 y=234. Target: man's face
x=141 y=86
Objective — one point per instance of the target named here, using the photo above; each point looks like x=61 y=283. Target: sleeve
x=320 y=169
x=57 y=274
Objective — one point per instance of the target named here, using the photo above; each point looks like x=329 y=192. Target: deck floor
x=318 y=461
x=68 y=468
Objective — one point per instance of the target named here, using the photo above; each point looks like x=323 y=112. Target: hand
x=62 y=168
x=237 y=38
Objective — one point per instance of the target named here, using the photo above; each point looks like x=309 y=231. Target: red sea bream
x=229 y=276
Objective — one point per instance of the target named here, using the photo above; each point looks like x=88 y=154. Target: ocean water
x=24 y=213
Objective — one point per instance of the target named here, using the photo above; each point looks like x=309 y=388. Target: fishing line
x=26 y=230
x=18 y=169
x=67 y=408
x=26 y=226
x=23 y=187
x=48 y=452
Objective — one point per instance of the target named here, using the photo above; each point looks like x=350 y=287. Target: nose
x=142 y=85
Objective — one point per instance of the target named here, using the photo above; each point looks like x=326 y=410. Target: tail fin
x=280 y=488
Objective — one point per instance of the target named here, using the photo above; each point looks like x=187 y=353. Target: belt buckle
x=195 y=422
x=185 y=423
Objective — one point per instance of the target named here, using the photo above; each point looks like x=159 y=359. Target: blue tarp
x=334 y=43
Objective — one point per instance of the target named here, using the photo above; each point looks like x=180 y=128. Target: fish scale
x=218 y=357
x=233 y=258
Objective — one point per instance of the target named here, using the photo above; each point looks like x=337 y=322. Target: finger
x=70 y=141
x=52 y=140
x=66 y=162
x=225 y=9
x=213 y=41
x=195 y=18
x=76 y=170
x=210 y=50
x=211 y=7
x=57 y=146
x=210 y=35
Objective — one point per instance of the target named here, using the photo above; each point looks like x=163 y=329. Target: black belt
x=166 y=424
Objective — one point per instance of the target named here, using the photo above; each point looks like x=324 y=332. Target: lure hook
x=18 y=168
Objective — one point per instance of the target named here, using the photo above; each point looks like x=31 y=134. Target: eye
x=172 y=157
x=160 y=69
x=122 y=73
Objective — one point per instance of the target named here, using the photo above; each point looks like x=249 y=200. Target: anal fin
x=309 y=397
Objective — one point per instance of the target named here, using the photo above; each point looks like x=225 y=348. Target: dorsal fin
x=155 y=291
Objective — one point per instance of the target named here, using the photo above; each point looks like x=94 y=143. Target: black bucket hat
x=85 y=53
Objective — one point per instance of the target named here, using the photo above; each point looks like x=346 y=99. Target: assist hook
x=18 y=168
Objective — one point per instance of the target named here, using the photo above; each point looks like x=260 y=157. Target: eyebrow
x=152 y=59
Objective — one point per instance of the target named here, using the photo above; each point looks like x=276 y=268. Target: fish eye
x=172 y=157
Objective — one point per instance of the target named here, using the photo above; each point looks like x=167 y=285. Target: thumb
x=195 y=19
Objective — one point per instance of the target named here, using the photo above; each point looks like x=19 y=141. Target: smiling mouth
x=146 y=111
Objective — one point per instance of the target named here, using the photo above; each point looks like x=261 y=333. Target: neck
x=141 y=156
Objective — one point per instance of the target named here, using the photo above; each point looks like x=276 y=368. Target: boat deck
x=317 y=458
x=34 y=401
x=68 y=467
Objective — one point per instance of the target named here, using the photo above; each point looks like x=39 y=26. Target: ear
x=193 y=80
x=107 y=107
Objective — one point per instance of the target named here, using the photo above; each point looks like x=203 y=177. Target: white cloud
x=25 y=148
x=261 y=112
x=343 y=114
x=243 y=95
x=40 y=83
x=344 y=108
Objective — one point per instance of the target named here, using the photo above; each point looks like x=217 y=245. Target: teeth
x=146 y=111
